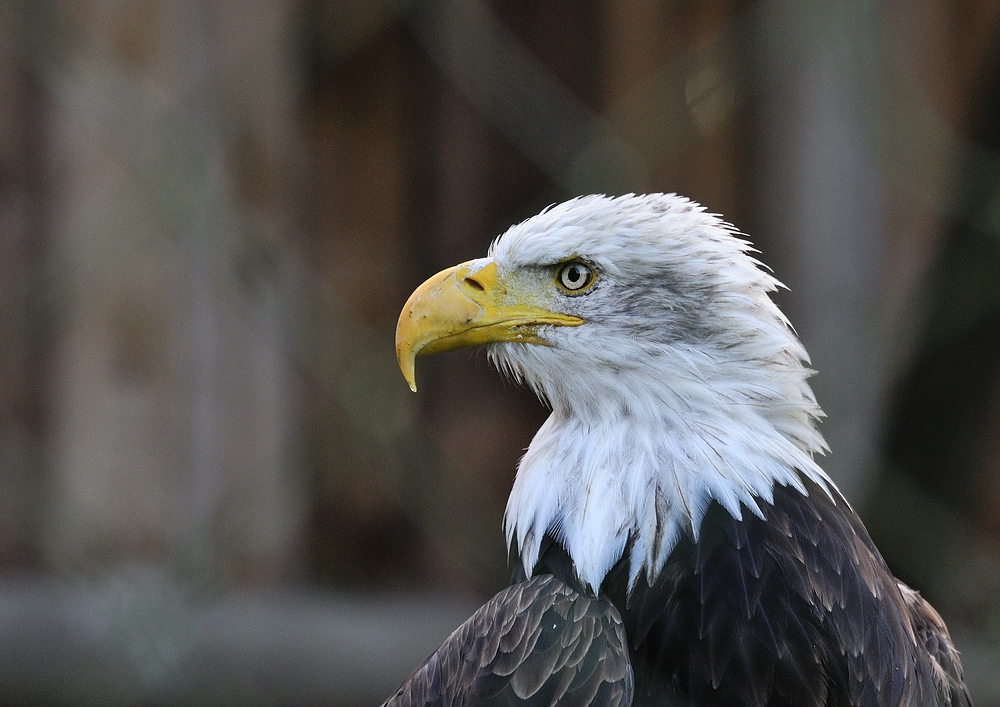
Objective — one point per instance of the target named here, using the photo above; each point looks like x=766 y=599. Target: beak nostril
x=473 y=284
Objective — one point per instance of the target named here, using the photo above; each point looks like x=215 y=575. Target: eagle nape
x=676 y=542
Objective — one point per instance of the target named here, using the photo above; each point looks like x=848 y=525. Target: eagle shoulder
x=535 y=642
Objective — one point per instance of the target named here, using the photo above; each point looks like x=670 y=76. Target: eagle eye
x=575 y=276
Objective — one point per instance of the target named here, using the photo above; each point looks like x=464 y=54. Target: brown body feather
x=536 y=642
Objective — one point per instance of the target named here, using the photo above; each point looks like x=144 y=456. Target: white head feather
x=685 y=384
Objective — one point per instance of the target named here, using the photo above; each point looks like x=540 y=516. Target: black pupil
x=574 y=275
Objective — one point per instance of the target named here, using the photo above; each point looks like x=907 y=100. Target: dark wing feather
x=537 y=642
x=933 y=635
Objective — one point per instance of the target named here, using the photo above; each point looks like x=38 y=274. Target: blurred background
x=215 y=486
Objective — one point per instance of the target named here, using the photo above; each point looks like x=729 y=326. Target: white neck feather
x=642 y=457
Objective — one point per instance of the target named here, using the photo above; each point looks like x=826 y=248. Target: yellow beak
x=467 y=305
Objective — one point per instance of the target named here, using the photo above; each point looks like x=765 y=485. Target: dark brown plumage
x=796 y=609
x=536 y=642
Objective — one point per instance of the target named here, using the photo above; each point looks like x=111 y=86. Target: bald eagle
x=674 y=540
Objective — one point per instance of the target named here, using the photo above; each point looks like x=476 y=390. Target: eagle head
x=674 y=380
